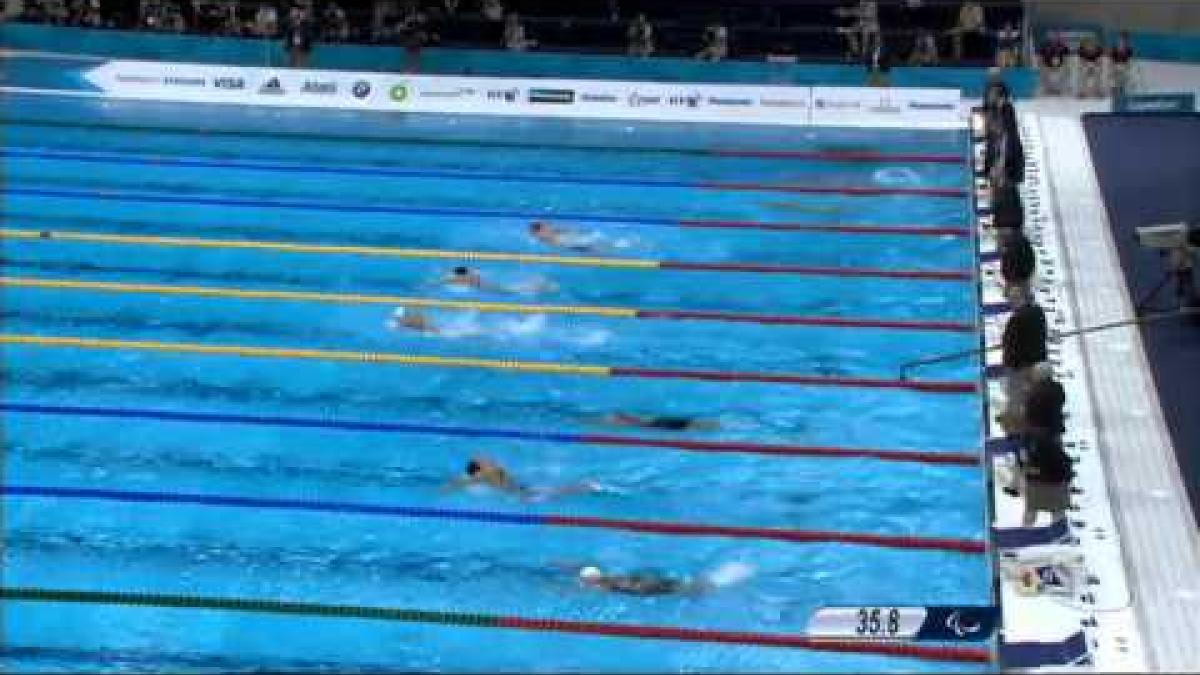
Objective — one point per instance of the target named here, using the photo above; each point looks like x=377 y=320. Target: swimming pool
x=203 y=398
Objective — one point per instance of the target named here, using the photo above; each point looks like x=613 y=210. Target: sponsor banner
x=713 y=103
x=887 y=107
x=1155 y=103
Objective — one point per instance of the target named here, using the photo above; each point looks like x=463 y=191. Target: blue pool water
x=460 y=184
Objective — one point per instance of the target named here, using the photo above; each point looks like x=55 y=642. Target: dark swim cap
x=460 y=271
x=473 y=468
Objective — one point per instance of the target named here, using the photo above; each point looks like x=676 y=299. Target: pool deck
x=1131 y=523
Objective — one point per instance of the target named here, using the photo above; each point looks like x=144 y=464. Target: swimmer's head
x=460 y=271
x=590 y=573
x=537 y=226
x=473 y=467
x=399 y=313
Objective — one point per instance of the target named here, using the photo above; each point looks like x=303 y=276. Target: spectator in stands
x=492 y=10
x=334 y=26
x=878 y=62
x=266 y=21
x=1091 y=67
x=971 y=24
x=640 y=36
x=925 y=49
x=716 y=42
x=865 y=29
x=450 y=7
x=514 y=34
x=298 y=33
x=1017 y=262
x=172 y=19
x=1047 y=476
x=1008 y=46
x=1054 y=74
x=1121 y=57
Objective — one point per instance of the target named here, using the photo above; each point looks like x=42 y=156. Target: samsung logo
x=139 y=79
x=598 y=98
x=917 y=105
x=637 y=100
x=551 y=96
x=836 y=105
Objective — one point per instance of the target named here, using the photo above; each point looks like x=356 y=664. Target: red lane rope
x=926 y=652
x=935 y=275
x=843 y=156
x=792 y=320
x=853 y=190
x=949 y=544
x=932 y=386
x=900 y=230
x=921 y=456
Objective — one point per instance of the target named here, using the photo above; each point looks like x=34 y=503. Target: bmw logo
x=362 y=89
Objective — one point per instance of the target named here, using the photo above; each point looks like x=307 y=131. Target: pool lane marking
x=289 y=247
x=739 y=447
x=668 y=528
x=479 y=620
x=392 y=358
x=812 y=155
x=843 y=156
x=446 y=174
x=436 y=211
x=576 y=310
x=631 y=263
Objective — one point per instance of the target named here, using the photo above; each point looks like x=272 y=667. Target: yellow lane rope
x=345 y=298
x=317 y=354
x=287 y=247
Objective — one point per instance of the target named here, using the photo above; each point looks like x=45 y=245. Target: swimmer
x=649 y=582
x=661 y=422
x=485 y=472
x=639 y=583
x=411 y=319
x=562 y=238
x=464 y=277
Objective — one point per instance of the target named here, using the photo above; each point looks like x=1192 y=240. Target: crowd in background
x=904 y=31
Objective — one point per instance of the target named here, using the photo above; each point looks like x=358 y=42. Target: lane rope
x=585 y=261
x=543 y=367
x=276 y=166
x=589 y=310
x=478 y=620
x=350 y=207
x=668 y=528
x=690 y=445
x=820 y=155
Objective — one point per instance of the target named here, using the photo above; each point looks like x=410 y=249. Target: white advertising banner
x=887 y=107
x=595 y=99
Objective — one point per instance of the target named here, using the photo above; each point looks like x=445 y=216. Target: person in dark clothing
x=1023 y=346
x=1008 y=211
x=298 y=35
x=1017 y=261
x=1047 y=473
x=1053 y=54
x=1045 y=402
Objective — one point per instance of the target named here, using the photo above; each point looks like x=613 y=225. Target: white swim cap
x=398 y=313
x=590 y=573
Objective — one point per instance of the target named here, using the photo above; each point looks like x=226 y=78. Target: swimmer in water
x=464 y=277
x=641 y=583
x=411 y=319
x=562 y=238
x=661 y=422
x=482 y=471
